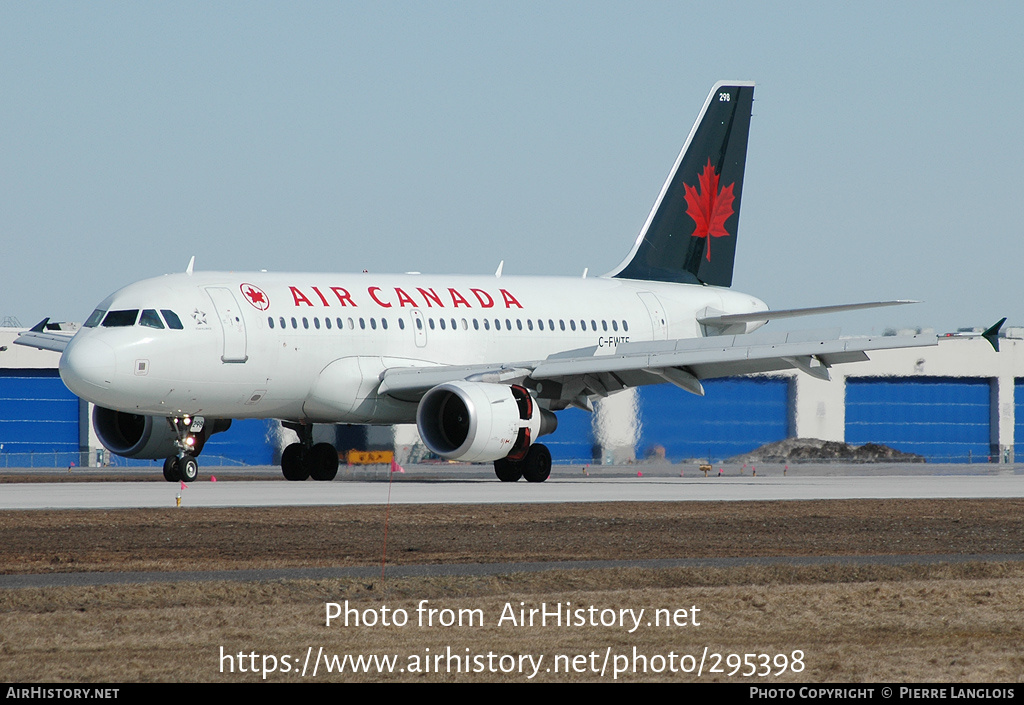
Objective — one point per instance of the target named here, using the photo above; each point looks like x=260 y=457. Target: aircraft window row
x=328 y=324
x=449 y=324
x=129 y=317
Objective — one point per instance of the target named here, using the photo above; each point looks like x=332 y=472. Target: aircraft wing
x=39 y=337
x=571 y=377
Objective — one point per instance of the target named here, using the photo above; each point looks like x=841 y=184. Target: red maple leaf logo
x=709 y=208
x=255 y=296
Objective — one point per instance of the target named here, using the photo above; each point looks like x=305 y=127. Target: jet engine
x=147 y=437
x=481 y=422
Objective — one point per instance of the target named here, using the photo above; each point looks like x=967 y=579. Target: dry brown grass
x=919 y=623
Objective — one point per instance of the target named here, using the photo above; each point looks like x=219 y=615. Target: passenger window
x=340 y=326
x=551 y=324
x=476 y=324
x=583 y=325
x=362 y=324
x=487 y=324
x=604 y=326
x=294 y=324
x=120 y=319
x=401 y=323
x=625 y=326
x=615 y=325
x=327 y=322
x=561 y=324
x=384 y=323
x=540 y=324
x=419 y=324
x=465 y=326
x=572 y=324
x=529 y=323
x=519 y=324
x=94 y=318
x=373 y=323
x=443 y=324
x=270 y=321
x=351 y=324
x=316 y=322
x=150 y=319
x=305 y=323
x=508 y=324
x=593 y=325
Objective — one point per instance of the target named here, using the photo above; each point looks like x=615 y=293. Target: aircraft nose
x=87 y=365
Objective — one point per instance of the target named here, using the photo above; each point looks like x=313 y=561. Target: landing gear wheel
x=508 y=470
x=293 y=462
x=188 y=468
x=323 y=462
x=171 y=472
x=537 y=464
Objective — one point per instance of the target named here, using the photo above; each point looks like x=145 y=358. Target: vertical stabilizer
x=690 y=234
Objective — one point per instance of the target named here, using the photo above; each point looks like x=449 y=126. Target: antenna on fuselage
x=497 y=272
x=191 y=263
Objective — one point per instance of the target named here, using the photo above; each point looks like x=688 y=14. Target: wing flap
x=719 y=356
x=683 y=362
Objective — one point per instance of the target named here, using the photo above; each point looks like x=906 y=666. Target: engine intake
x=481 y=422
x=146 y=437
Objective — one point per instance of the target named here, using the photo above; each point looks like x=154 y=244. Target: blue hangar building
x=957 y=402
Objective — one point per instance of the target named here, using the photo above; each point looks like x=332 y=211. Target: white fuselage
x=253 y=345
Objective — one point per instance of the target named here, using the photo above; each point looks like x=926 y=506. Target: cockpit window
x=94 y=318
x=150 y=319
x=120 y=319
x=172 y=319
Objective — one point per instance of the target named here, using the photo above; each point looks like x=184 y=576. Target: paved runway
x=565 y=486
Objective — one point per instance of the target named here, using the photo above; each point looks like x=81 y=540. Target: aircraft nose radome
x=87 y=365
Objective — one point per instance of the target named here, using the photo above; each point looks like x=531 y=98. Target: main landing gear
x=535 y=467
x=306 y=459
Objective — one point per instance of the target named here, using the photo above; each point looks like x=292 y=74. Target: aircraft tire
x=188 y=468
x=171 y=472
x=323 y=462
x=508 y=470
x=537 y=464
x=293 y=463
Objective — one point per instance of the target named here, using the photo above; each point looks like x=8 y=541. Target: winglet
x=191 y=263
x=41 y=326
x=992 y=334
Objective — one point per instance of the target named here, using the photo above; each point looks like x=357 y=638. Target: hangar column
x=1002 y=418
x=819 y=407
x=617 y=427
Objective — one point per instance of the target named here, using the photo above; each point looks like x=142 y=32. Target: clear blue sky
x=885 y=153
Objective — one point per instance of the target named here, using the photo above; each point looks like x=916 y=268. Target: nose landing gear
x=183 y=467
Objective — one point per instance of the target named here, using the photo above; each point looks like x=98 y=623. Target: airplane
x=481 y=364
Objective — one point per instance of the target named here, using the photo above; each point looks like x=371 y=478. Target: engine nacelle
x=146 y=437
x=481 y=422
